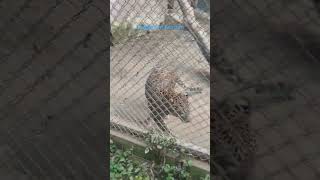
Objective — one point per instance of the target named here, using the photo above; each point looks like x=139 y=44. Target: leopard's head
x=180 y=104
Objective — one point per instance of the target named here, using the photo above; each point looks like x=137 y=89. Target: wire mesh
x=262 y=45
x=158 y=71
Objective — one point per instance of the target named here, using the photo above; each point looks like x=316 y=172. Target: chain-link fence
x=268 y=53
x=159 y=72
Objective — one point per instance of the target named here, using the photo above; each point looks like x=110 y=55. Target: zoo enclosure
x=136 y=51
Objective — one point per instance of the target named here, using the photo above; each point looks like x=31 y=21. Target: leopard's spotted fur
x=233 y=141
x=164 y=97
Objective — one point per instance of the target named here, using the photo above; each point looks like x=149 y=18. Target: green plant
x=178 y=171
x=207 y=177
x=160 y=145
x=122 y=167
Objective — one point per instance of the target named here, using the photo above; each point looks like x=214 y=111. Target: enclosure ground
x=130 y=66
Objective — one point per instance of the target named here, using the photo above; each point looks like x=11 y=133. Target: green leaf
x=130 y=168
x=137 y=170
x=122 y=159
x=146 y=151
x=189 y=162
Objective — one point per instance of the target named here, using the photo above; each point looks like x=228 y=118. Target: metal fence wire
x=266 y=69
x=159 y=75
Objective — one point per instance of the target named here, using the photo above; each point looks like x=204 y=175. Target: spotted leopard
x=167 y=95
x=233 y=140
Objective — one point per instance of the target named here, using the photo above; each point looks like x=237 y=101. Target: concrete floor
x=130 y=66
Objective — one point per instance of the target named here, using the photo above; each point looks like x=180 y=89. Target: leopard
x=167 y=94
x=233 y=140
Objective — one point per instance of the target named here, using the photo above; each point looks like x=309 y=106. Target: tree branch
x=201 y=37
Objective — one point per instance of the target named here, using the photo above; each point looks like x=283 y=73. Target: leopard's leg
x=156 y=113
x=158 y=119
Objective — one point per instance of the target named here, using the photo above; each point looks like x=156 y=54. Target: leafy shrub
x=123 y=167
